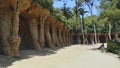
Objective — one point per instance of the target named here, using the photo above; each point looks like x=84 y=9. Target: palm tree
x=82 y=12
x=90 y=4
x=66 y=11
x=76 y=10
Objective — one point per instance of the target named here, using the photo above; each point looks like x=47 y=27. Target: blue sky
x=60 y=4
x=72 y=4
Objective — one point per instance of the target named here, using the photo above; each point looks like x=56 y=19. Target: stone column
x=5 y=31
x=33 y=24
x=14 y=39
x=56 y=34
x=47 y=33
x=63 y=36
x=60 y=28
x=42 y=17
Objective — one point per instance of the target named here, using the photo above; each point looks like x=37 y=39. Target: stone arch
x=90 y=38
x=31 y=16
x=26 y=39
x=35 y=17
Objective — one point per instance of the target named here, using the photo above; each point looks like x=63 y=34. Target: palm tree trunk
x=95 y=33
x=110 y=27
x=82 y=29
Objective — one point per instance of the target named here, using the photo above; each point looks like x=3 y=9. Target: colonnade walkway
x=75 y=56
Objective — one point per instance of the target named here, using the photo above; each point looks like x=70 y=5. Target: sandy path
x=71 y=57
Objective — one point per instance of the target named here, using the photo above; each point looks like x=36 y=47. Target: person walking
x=102 y=47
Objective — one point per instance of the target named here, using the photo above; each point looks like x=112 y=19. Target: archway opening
x=26 y=39
x=102 y=38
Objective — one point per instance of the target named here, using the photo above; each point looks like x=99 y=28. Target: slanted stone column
x=14 y=39
x=78 y=38
x=11 y=10
x=47 y=27
x=56 y=34
x=64 y=35
x=92 y=38
x=53 y=33
x=116 y=36
x=60 y=28
x=54 y=26
x=71 y=37
x=5 y=21
x=67 y=36
x=33 y=24
x=32 y=18
x=42 y=17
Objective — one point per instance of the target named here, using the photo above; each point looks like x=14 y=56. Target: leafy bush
x=113 y=46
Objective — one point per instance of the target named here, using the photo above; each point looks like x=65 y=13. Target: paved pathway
x=76 y=56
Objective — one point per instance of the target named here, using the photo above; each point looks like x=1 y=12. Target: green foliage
x=45 y=3
x=71 y=17
x=113 y=46
x=58 y=14
x=67 y=12
x=89 y=23
x=70 y=22
x=108 y=16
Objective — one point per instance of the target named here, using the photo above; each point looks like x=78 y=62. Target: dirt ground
x=75 y=56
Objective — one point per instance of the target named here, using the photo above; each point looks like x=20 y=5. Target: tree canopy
x=71 y=16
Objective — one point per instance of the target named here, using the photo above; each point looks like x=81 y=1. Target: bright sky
x=71 y=4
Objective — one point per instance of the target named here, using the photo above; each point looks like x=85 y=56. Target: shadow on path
x=6 y=61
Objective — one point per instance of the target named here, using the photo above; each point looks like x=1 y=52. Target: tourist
x=102 y=47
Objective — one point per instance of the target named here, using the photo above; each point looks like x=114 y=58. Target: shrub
x=113 y=46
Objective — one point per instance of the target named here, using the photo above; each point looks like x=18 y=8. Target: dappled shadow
x=6 y=61
x=94 y=49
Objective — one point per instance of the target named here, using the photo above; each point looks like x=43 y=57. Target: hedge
x=113 y=46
